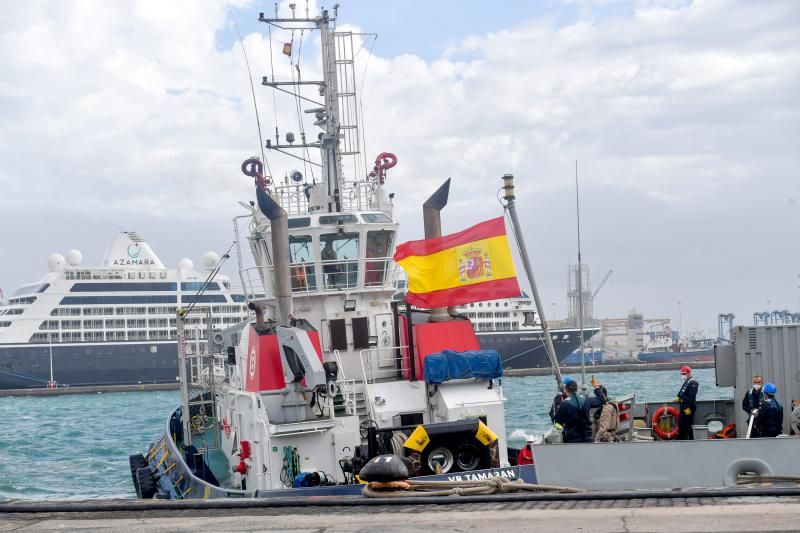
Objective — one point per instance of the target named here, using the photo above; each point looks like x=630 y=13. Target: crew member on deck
x=607 y=419
x=573 y=414
x=769 y=419
x=687 y=398
x=558 y=400
x=331 y=270
x=752 y=400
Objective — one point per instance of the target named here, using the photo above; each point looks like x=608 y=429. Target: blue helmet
x=769 y=388
x=568 y=380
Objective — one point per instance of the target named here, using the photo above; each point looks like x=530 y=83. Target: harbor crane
x=602 y=283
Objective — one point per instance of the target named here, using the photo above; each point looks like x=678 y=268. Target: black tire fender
x=145 y=483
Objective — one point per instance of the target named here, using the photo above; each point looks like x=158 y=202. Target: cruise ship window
x=141 y=275
x=162 y=275
x=131 y=275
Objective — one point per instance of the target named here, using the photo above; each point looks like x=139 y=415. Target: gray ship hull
x=525 y=349
x=28 y=366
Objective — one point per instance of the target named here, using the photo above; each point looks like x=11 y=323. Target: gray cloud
x=684 y=119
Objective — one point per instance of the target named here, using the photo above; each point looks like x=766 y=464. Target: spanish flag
x=470 y=266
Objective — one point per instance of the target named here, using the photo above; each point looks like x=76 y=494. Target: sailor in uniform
x=687 y=398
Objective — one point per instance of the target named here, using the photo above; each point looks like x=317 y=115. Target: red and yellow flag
x=468 y=266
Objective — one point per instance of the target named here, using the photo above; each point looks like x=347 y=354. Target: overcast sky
x=684 y=117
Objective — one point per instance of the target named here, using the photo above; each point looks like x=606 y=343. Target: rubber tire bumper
x=145 y=483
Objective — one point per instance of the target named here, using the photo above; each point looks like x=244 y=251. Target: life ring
x=383 y=162
x=660 y=413
x=728 y=432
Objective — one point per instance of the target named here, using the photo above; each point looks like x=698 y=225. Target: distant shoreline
x=596 y=369
x=95 y=389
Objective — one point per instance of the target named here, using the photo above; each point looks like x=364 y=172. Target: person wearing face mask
x=687 y=398
x=769 y=419
x=752 y=400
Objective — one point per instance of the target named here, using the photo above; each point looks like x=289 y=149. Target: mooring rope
x=495 y=485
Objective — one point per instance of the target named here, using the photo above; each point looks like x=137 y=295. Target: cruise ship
x=113 y=324
x=512 y=327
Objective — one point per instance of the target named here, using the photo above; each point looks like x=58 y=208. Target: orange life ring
x=663 y=412
x=728 y=432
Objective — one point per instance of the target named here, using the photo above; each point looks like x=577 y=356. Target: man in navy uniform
x=573 y=413
x=752 y=400
x=769 y=419
x=687 y=398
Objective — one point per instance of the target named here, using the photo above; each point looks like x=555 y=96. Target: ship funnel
x=280 y=253
x=432 y=220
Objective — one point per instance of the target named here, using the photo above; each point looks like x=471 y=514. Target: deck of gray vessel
x=673 y=513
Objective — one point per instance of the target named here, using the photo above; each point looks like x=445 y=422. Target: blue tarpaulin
x=446 y=365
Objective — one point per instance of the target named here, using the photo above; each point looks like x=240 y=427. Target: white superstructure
x=507 y=314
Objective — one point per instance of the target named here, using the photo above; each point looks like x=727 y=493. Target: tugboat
x=332 y=372
x=335 y=376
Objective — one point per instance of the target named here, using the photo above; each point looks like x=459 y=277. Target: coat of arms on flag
x=474 y=262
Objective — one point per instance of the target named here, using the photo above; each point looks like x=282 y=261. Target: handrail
x=368 y=374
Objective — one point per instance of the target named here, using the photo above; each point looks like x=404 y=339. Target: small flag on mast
x=287 y=49
x=469 y=266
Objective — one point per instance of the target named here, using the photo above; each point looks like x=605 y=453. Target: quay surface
x=669 y=514
x=596 y=369
x=44 y=391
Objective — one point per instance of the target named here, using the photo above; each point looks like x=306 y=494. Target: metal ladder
x=346 y=93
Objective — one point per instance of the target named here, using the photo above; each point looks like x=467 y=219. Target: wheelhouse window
x=379 y=243
x=329 y=220
x=302 y=222
x=339 y=255
x=301 y=256
x=375 y=218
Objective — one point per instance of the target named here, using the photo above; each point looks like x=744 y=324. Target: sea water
x=77 y=446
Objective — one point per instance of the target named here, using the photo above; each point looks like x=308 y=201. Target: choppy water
x=77 y=446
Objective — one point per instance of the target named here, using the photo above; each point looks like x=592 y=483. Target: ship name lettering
x=508 y=474
x=132 y=262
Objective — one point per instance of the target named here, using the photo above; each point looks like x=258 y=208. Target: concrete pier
x=671 y=515
x=596 y=369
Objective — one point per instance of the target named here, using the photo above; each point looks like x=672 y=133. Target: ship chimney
x=432 y=220
x=280 y=254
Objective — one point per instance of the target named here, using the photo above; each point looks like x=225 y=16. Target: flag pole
x=508 y=188
x=580 y=279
